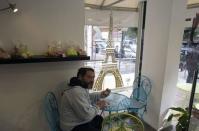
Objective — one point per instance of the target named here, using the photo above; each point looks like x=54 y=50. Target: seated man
x=79 y=109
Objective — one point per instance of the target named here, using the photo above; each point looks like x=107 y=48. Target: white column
x=177 y=25
x=163 y=36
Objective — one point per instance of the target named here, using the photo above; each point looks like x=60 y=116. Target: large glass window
x=189 y=62
x=125 y=44
x=125 y=30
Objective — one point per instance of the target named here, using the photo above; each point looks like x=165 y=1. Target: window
x=124 y=41
x=125 y=44
x=189 y=62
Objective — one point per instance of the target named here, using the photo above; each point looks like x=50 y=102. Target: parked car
x=100 y=46
x=128 y=53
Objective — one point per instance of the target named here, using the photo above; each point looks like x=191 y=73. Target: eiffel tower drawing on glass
x=109 y=66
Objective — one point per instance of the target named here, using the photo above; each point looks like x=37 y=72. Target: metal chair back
x=141 y=92
x=52 y=112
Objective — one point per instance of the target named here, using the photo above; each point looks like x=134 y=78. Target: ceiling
x=124 y=5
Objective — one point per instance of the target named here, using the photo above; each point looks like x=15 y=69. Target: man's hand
x=105 y=93
x=102 y=104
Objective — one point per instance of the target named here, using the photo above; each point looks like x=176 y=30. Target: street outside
x=184 y=91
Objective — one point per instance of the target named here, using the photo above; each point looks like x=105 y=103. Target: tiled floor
x=148 y=127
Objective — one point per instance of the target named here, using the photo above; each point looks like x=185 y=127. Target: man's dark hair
x=82 y=71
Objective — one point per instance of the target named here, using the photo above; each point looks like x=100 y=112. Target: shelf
x=40 y=59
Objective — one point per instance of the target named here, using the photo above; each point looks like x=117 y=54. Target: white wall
x=23 y=86
x=160 y=52
x=177 y=24
x=41 y=21
x=22 y=90
x=155 y=50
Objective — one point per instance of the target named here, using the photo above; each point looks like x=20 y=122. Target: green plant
x=122 y=122
x=183 y=118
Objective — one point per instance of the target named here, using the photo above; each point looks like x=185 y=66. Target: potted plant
x=182 y=117
x=122 y=122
